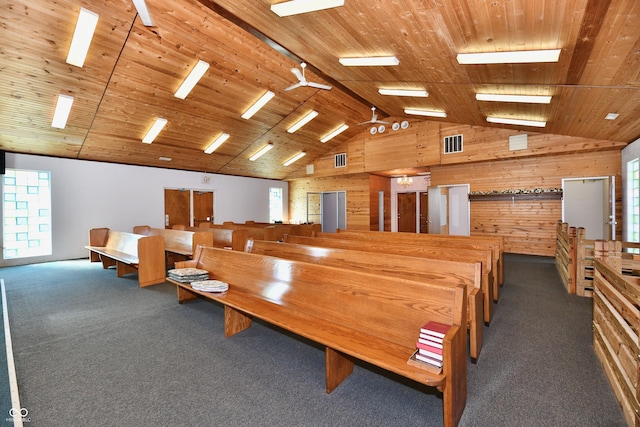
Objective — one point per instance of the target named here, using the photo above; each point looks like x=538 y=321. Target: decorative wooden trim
x=556 y=195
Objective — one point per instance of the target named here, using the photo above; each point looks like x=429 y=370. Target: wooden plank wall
x=487 y=164
x=529 y=227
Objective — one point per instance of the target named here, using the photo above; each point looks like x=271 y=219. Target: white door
x=590 y=203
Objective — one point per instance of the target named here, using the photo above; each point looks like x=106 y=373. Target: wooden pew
x=496 y=245
x=439 y=272
x=130 y=253
x=179 y=244
x=447 y=254
x=355 y=315
x=224 y=238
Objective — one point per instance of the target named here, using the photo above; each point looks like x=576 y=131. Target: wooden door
x=407 y=212
x=424 y=212
x=176 y=207
x=202 y=207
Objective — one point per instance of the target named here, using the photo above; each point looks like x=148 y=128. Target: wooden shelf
x=555 y=195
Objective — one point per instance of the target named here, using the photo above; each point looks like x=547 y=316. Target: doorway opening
x=188 y=207
x=590 y=203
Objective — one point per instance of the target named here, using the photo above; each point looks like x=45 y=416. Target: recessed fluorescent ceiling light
x=425 y=113
x=165 y=159
x=611 y=116
x=303 y=121
x=515 y=57
x=263 y=150
x=141 y=7
x=192 y=79
x=520 y=122
x=295 y=158
x=155 y=130
x=85 y=27
x=258 y=105
x=334 y=133
x=404 y=92
x=63 y=108
x=529 y=99
x=369 y=61
x=217 y=143
x=296 y=7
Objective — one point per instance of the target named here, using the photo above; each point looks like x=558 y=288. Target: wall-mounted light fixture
x=405 y=181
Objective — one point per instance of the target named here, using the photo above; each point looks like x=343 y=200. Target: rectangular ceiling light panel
x=515 y=57
x=263 y=150
x=296 y=7
x=334 y=133
x=82 y=35
x=526 y=99
x=427 y=113
x=373 y=61
x=506 y=121
x=303 y=121
x=258 y=105
x=404 y=92
x=192 y=79
x=61 y=114
x=141 y=7
x=295 y=158
x=217 y=143
x=155 y=130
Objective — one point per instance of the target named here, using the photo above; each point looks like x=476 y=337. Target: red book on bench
x=429 y=348
x=436 y=329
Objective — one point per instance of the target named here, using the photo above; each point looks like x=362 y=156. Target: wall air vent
x=453 y=144
x=341 y=160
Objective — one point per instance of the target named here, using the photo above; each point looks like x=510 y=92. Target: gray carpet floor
x=95 y=350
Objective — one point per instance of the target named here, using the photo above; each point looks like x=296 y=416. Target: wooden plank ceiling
x=132 y=71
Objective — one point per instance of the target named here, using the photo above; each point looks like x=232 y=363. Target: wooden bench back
x=182 y=242
x=387 y=307
x=467 y=274
x=121 y=241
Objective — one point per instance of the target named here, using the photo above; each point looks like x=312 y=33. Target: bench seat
x=355 y=315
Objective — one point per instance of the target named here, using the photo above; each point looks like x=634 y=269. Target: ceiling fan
x=302 y=80
x=374 y=119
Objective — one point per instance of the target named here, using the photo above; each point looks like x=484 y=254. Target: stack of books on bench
x=428 y=354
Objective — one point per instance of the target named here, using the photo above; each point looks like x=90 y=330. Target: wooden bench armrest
x=454 y=368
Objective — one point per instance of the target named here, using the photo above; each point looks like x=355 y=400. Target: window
x=27 y=213
x=275 y=205
x=633 y=201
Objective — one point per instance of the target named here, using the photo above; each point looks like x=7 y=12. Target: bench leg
x=235 y=321
x=106 y=261
x=338 y=367
x=123 y=268
x=185 y=295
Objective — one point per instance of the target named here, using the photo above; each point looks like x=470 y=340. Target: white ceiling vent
x=453 y=144
x=518 y=142
x=341 y=160
x=310 y=169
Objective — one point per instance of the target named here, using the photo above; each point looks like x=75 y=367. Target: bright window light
x=428 y=113
x=258 y=105
x=370 y=61
x=520 y=122
x=263 y=150
x=217 y=143
x=515 y=57
x=404 y=92
x=85 y=27
x=192 y=79
x=63 y=108
x=334 y=133
x=296 y=7
x=141 y=7
x=527 y=99
x=158 y=125
x=306 y=119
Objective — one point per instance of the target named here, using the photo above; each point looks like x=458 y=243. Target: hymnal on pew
x=436 y=330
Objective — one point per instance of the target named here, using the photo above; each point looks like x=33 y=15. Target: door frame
x=191 y=191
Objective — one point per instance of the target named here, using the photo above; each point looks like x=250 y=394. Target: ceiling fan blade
x=297 y=85
x=382 y=122
x=297 y=73
x=319 y=85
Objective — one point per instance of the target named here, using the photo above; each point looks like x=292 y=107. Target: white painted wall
x=87 y=195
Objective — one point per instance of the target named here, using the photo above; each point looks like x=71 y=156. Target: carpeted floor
x=93 y=349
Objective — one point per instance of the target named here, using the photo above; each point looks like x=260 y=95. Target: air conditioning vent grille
x=341 y=160
x=453 y=144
